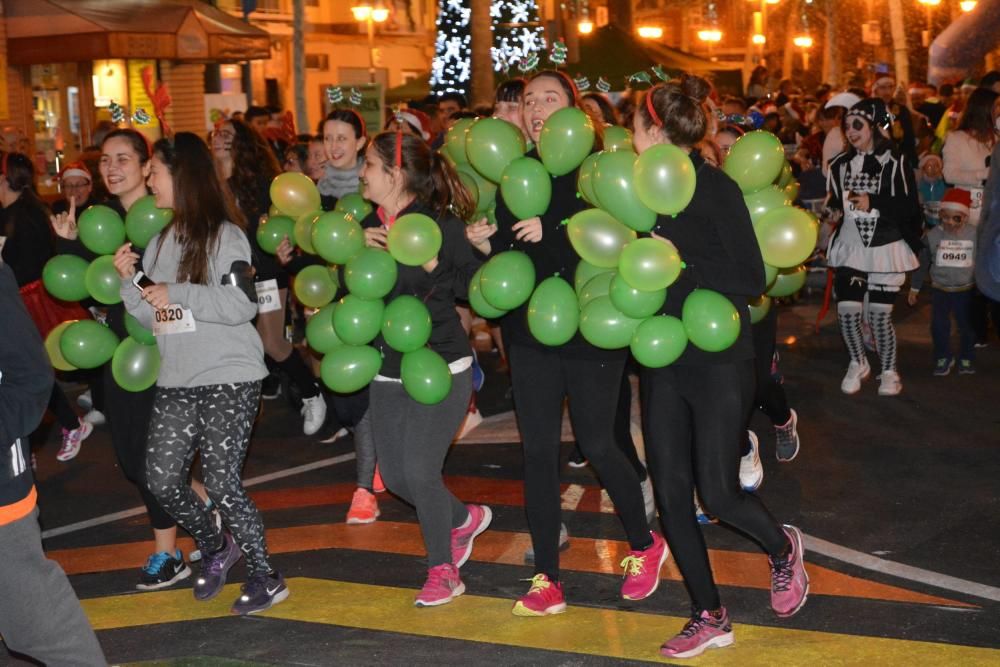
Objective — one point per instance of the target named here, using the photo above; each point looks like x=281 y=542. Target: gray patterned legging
x=217 y=420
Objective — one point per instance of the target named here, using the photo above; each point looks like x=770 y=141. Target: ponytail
x=677 y=109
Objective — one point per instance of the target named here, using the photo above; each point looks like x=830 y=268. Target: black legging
x=770 y=397
x=623 y=425
x=693 y=420
x=63 y=411
x=541 y=379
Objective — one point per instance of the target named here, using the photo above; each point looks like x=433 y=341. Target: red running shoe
x=479 y=520
x=442 y=586
x=543 y=598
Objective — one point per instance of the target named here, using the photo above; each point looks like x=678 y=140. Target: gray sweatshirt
x=224 y=348
x=952 y=259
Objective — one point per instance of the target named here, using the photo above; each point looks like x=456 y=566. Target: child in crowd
x=952 y=246
x=931 y=187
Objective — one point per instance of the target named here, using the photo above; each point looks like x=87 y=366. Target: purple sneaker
x=215 y=567
x=789 y=581
x=701 y=633
x=261 y=592
x=479 y=520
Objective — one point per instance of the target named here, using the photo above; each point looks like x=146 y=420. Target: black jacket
x=30 y=241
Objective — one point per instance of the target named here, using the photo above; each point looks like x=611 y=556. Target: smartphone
x=141 y=280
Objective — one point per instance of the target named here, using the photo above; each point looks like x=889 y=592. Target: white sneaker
x=851 y=384
x=95 y=417
x=72 y=440
x=85 y=400
x=889 y=384
x=751 y=470
x=648 y=499
x=313 y=414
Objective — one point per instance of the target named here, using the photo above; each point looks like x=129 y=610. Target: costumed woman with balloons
x=196 y=292
x=420 y=395
x=545 y=372
x=695 y=409
x=872 y=249
x=247 y=166
x=28 y=247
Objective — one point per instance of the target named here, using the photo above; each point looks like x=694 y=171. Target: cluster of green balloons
x=135 y=361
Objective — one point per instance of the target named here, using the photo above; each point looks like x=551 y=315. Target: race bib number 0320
x=172 y=320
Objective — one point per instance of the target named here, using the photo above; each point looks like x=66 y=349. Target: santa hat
x=418 y=120
x=956 y=199
x=77 y=169
x=874 y=111
x=930 y=157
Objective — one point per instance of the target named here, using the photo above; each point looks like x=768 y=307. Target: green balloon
x=314 y=287
x=135 y=366
x=426 y=376
x=787 y=236
x=711 y=320
x=64 y=277
x=759 y=308
x=370 y=274
x=664 y=179
x=615 y=189
x=650 y=264
x=52 y=347
x=487 y=189
x=295 y=194
x=272 y=230
x=491 y=145
x=320 y=333
x=792 y=190
x=406 y=324
x=355 y=204
x=337 y=237
x=87 y=344
x=348 y=368
x=617 y=138
x=101 y=230
x=659 y=341
x=788 y=282
x=764 y=201
x=585 y=179
x=599 y=285
x=598 y=238
x=526 y=188
x=303 y=231
x=633 y=302
x=479 y=304
x=755 y=160
x=567 y=137
x=785 y=176
x=453 y=147
x=138 y=332
x=273 y=210
x=414 y=239
x=553 y=312
x=584 y=272
x=507 y=280
x=606 y=327
x=770 y=275
x=357 y=321
x=144 y=221
x=102 y=280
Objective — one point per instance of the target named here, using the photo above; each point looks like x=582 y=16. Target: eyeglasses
x=857 y=124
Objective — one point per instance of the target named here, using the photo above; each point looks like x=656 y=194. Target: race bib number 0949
x=954 y=254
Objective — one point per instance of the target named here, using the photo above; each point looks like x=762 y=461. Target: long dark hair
x=677 y=108
x=426 y=174
x=254 y=163
x=977 y=119
x=608 y=114
x=19 y=171
x=201 y=203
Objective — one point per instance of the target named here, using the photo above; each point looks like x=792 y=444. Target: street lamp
x=650 y=32
x=370 y=15
x=967 y=5
x=710 y=35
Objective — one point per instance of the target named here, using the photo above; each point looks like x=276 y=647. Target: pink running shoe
x=479 y=520
x=72 y=440
x=701 y=633
x=364 y=507
x=642 y=569
x=442 y=586
x=789 y=581
x=543 y=598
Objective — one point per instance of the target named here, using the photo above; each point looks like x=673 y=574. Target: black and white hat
x=874 y=111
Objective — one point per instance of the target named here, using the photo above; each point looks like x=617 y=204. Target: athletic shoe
x=378 y=486
x=85 y=400
x=701 y=633
x=261 y=592
x=889 y=383
x=577 y=459
x=943 y=366
x=789 y=580
x=335 y=437
x=981 y=344
x=648 y=498
x=545 y=597
x=529 y=554
x=442 y=586
x=313 y=414
x=364 y=507
x=270 y=388
x=462 y=537
x=72 y=440
x=751 y=470
x=700 y=514
x=965 y=367
x=851 y=384
x=95 y=417
x=787 y=439
x=642 y=569
x=215 y=567
x=161 y=570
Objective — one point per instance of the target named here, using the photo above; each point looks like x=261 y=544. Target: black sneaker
x=577 y=459
x=215 y=567
x=163 y=570
x=270 y=388
x=261 y=592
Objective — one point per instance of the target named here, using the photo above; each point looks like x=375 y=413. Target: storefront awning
x=48 y=31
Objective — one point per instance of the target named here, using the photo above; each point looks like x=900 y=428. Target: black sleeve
x=898 y=203
x=457 y=253
x=29 y=246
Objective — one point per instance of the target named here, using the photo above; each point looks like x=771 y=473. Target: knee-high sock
x=885 y=334
x=849 y=316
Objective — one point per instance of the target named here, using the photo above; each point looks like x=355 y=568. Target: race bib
x=172 y=320
x=954 y=254
x=268 y=298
